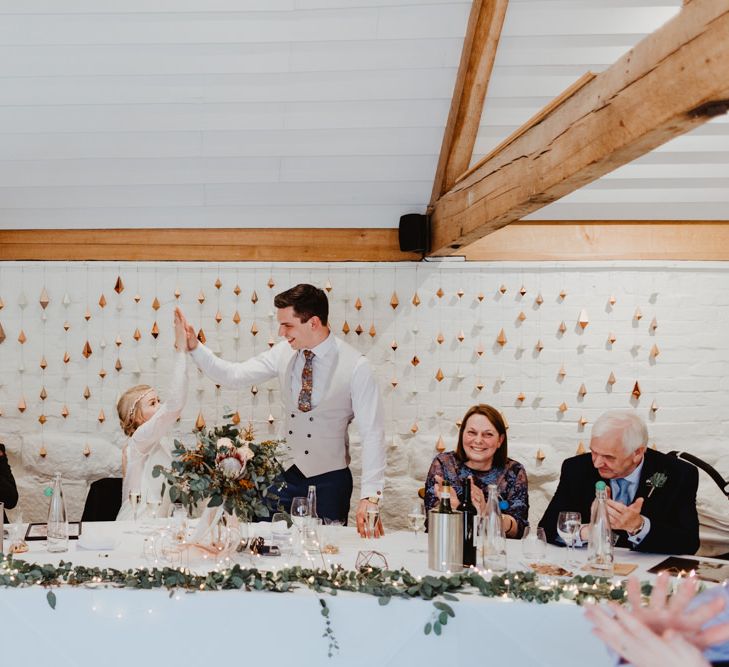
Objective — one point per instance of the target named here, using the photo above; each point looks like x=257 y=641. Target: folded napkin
x=96 y=542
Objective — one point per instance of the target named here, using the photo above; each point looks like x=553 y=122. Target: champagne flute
x=568 y=528
x=371 y=521
x=416 y=521
x=135 y=495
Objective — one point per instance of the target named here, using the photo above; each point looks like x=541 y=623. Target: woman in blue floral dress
x=481 y=459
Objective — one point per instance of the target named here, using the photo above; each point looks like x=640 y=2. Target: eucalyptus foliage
x=383 y=584
x=199 y=474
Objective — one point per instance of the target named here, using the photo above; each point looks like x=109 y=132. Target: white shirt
x=366 y=401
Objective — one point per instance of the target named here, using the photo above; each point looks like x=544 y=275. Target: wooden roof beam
x=477 y=61
x=670 y=82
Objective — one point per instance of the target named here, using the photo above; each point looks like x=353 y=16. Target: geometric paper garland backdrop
x=551 y=345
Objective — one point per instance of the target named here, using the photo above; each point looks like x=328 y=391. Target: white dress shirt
x=366 y=401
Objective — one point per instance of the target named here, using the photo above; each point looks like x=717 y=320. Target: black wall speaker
x=414 y=233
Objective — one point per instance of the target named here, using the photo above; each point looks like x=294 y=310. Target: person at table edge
x=321 y=393
x=652 y=503
x=8 y=490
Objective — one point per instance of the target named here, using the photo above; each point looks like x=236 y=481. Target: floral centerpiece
x=227 y=468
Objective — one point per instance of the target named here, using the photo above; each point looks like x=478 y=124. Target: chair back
x=104 y=500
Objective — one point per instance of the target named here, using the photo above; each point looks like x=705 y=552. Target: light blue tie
x=622 y=496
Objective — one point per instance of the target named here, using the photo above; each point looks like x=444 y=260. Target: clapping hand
x=477 y=497
x=663 y=613
x=625 y=517
x=665 y=632
x=635 y=642
x=361 y=515
x=454 y=497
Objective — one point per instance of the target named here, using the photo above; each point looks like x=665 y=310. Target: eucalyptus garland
x=383 y=584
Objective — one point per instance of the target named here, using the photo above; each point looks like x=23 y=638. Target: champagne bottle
x=600 y=545
x=444 y=506
x=57 y=527
x=469 y=514
x=311 y=500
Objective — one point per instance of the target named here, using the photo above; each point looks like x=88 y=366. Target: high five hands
x=189 y=332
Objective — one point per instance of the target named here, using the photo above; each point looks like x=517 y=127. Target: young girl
x=146 y=421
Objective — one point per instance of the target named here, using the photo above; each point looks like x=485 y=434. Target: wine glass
x=299 y=512
x=416 y=522
x=568 y=528
x=135 y=495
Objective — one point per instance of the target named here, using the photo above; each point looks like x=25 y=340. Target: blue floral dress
x=511 y=481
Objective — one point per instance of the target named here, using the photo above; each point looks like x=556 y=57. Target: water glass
x=178 y=522
x=311 y=534
x=16 y=534
x=534 y=544
x=328 y=535
x=281 y=536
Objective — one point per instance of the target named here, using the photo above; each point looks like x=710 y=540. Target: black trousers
x=333 y=492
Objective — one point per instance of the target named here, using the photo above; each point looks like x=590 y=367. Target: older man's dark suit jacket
x=670 y=508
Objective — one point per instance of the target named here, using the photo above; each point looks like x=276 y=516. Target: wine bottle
x=444 y=505
x=469 y=514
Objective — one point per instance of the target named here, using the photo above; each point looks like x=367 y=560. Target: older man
x=652 y=504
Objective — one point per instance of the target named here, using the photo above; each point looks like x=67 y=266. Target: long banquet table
x=121 y=627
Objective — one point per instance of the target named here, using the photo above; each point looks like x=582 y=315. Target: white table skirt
x=110 y=627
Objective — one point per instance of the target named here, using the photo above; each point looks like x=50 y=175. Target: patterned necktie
x=307 y=382
x=622 y=495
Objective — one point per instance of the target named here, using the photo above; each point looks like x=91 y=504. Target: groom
x=325 y=384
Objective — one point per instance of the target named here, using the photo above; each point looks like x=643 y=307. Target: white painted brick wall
x=689 y=380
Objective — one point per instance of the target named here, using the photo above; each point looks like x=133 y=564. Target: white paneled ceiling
x=296 y=113
x=547 y=45
x=232 y=113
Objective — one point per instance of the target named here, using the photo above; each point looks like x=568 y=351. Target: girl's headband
x=136 y=402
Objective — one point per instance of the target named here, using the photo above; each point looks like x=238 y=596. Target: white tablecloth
x=110 y=627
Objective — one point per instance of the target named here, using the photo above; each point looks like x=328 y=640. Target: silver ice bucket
x=445 y=541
